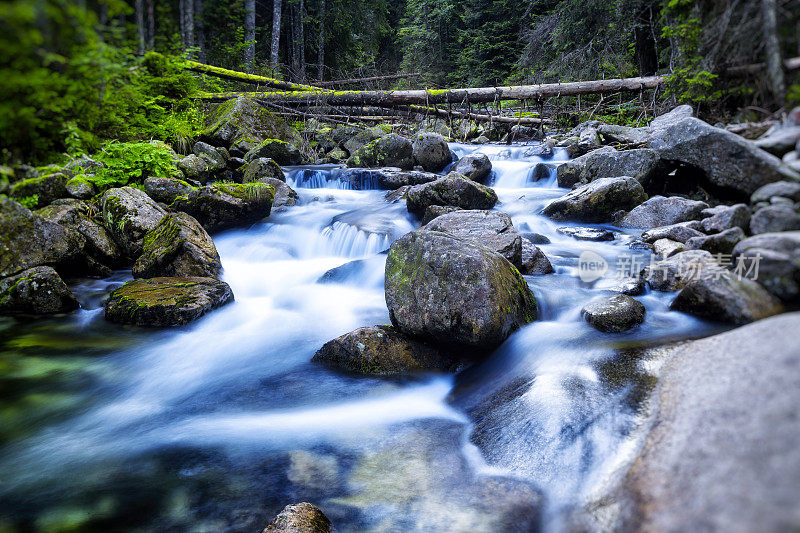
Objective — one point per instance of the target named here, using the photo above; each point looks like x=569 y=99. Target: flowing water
x=217 y=425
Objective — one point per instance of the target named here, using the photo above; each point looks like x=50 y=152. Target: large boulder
x=196 y=168
x=673 y=273
x=774 y=260
x=383 y=351
x=661 y=211
x=644 y=165
x=244 y=121
x=452 y=190
x=391 y=150
x=279 y=151
x=300 y=518
x=727 y=217
x=597 y=201
x=571 y=173
x=352 y=138
x=28 y=240
x=774 y=218
x=128 y=213
x=454 y=292
x=227 y=205
x=491 y=229
x=165 y=190
x=393 y=178
x=431 y=151
x=726 y=298
x=730 y=164
x=614 y=314
x=44 y=188
x=476 y=167
x=263 y=168
x=35 y=291
x=178 y=246
x=166 y=301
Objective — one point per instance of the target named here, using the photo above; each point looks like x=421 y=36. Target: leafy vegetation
x=130 y=163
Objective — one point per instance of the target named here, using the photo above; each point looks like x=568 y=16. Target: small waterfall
x=350 y=241
x=326 y=177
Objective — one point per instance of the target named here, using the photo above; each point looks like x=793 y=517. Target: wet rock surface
x=227 y=205
x=614 y=314
x=35 y=291
x=597 y=201
x=300 y=518
x=452 y=190
x=128 y=213
x=178 y=246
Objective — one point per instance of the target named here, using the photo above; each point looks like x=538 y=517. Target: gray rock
x=128 y=214
x=726 y=298
x=730 y=163
x=719 y=243
x=735 y=216
x=178 y=246
x=281 y=152
x=661 y=211
x=452 y=190
x=680 y=232
x=285 y=196
x=165 y=190
x=434 y=211
x=491 y=229
x=382 y=351
x=673 y=273
x=75 y=215
x=786 y=189
x=623 y=134
x=261 y=169
x=614 y=314
x=46 y=188
x=572 y=172
x=780 y=142
x=588 y=140
x=587 y=234
x=300 y=518
x=217 y=159
x=533 y=260
x=667 y=247
x=644 y=164
x=227 y=205
x=244 y=122
x=536 y=238
x=476 y=167
x=670 y=118
x=597 y=201
x=774 y=218
x=394 y=178
x=81 y=188
x=777 y=256
x=431 y=151
x=35 y=291
x=196 y=168
x=168 y=301
x=362 y=138
x=453 y=292
x=390 y=150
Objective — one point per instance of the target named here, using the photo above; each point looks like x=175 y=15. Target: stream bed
x=218 y=425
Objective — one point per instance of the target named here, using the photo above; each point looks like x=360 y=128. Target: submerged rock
x=661 y=211
x=476 y=167
x=128 y=213
x=454 y=292
x=726 y=298
x=431 y=151
x=390 y=150
x=452 y=190
x=300 y=518
x=227 y=205
x=614 y=314
x=178 y=246
x=774 y=258
x=170 y=301
x=35 y=291
x=597 y=201
x=382 y=350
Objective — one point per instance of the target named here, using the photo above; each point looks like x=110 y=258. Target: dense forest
x=76 y=73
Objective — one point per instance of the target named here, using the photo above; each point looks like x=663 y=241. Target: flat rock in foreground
x=166 y=301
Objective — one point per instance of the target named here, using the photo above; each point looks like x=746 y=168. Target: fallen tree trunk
x=351 y=81
x=243 y=77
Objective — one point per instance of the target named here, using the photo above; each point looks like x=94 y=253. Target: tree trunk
x=645 y=43
x=187 y=24
x=276 y=35
x=200 y=28
x=250 y=34
x=321 y=41
x=140 y=26
x=301 y=37
x=294 y=39
x=151 y=25
x=775 y=77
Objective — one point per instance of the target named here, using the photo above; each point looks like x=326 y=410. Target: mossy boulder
x=196 y=168
x=300 y=518
x=165 y=190
x=430 y=151
x=476 y=167
x=454 y=292
x=491 y=229
x=178 y=246
x=168 y=301
x=28 y=240
x=262 y=168
x=452 y=190
x=279 y=151
x=382 y=351
x=614 y=314
x=81 y=188
x=353 y=139
x=221 y=206
x=244 y=118
x=128 y=214
x=391 y=150
x=35 y=291
x=44 y=188
x=597 y=201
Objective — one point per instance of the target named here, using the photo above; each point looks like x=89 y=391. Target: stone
x=587 y=234
x=390 y=150
x=394 y=178
x=263 y=168
x=726 y=298
x=454 y=293
x=382 y=351
x=491 y=229
x=430 y=150
x=667 y=247
x=360 y=138
x=614 y=314
x=611 y=133
x=571 y=173
x=452 y=190
x=195 y=168
x=46 y=188
x=300 y=518
x=227 y=205
x=730 y=164
x=434 y=211
x=533 y=260
x=775 y=262
x=735 y=216
x=535 y=238
x=786 y=189
x=673 y=273
x=75 y=215
x=165 y=190
x=661 y=211
x=243 y=122
x=167 y=301
x=35 y=291
x=476 y=167
x=779 y=142
x=285 y=196
x=279 y=151
x=128 y=213
x=178 y=246
x=680 y=232
x=774 y=218
x=719 y=243
x=597 y=201
x=643 y=164
x=81 y=188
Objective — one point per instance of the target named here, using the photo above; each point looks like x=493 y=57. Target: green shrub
x=130 y=163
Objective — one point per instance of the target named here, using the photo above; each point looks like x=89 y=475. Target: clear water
x=216 y=426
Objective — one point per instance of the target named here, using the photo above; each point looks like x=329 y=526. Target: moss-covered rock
x=28 y=240
x=454 y=292
x=36 y=291
x=44 y=188
x=262 y=168
x=300 y=518
x=597 y=201
x=614 y=314
x=165 y=190
x=431 y=151
x=476 y=167
x=178 y=246
x=279 y=151
x=383 y=351
x=391 y=150
x=196 y=168
x=227 y=205
x=128 y=214
x=491 y=229
x=166 y=301
x=453 y=190
x=354 y=138
x=244 y=118
x=81 y=188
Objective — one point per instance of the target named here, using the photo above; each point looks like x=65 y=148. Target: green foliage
x=130 y=163
x=793 y=95
x=31 y=202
